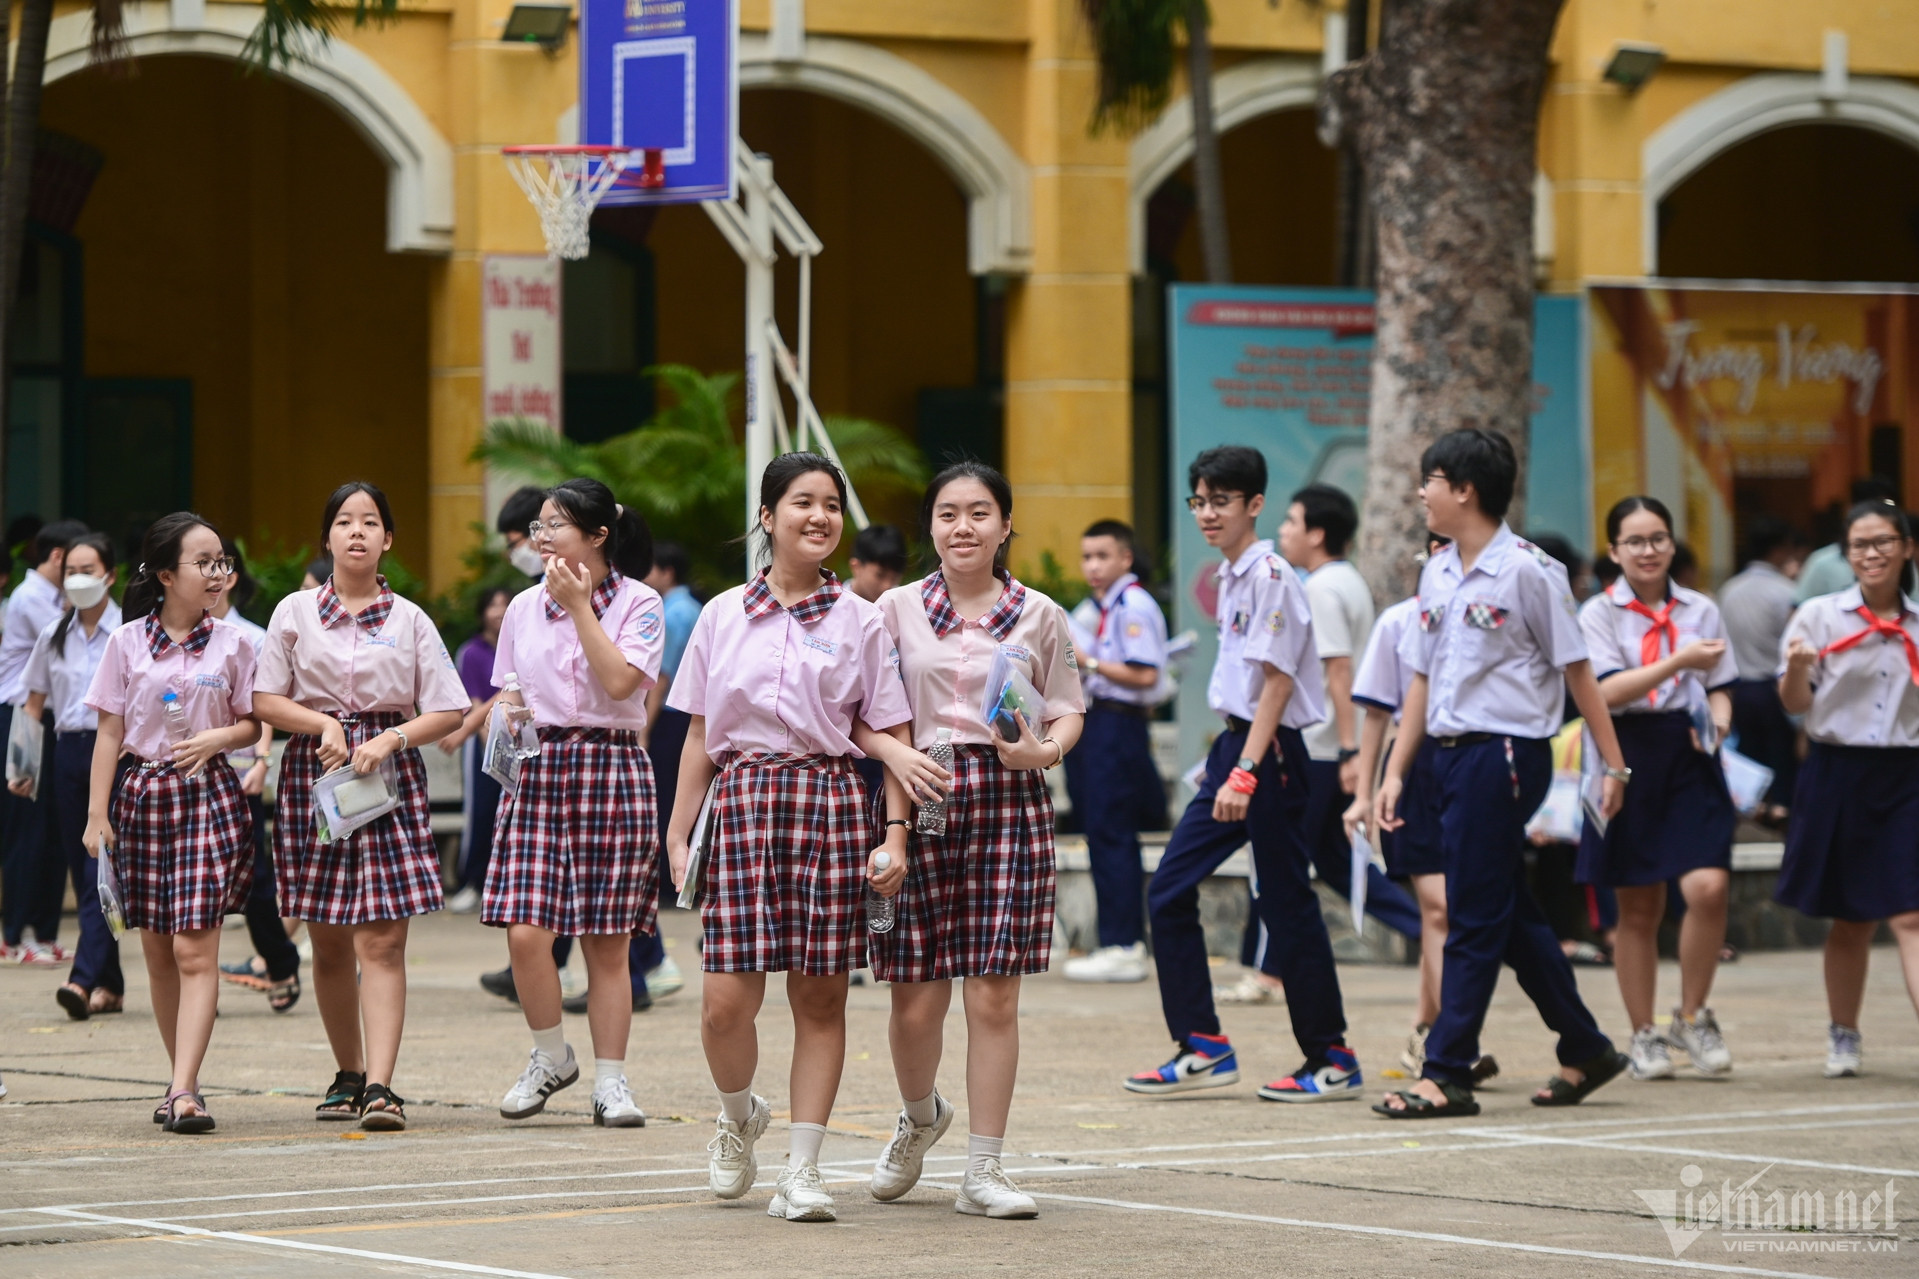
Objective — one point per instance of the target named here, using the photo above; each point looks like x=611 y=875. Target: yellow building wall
x=236 y=237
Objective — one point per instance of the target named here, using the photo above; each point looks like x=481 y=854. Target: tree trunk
x=1206 y=171
x=6 y=277
x=1444 y=116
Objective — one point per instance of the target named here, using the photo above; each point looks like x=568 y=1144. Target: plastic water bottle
x=932 y=812
x=879 y=908
x=526 y=736
x=175 y=711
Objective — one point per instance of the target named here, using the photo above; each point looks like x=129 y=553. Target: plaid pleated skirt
x=184 y=848
x=388 y=869
x=978 y=900
x=785 y=881
x=577 y=850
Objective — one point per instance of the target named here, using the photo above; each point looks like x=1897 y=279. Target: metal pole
x=760 y=381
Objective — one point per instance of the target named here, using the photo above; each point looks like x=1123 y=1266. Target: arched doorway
x=238 y=277
x=1824 y=202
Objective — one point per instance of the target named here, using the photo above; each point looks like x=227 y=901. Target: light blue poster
x=1289 y=371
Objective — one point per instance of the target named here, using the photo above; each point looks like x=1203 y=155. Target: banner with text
x=520 y=350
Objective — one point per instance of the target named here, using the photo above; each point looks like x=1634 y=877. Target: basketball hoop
x=565 y=183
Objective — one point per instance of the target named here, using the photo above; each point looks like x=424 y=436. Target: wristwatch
x=1248 y=763
x=1348 y=752
x=1090 y=663
x=1620 y=775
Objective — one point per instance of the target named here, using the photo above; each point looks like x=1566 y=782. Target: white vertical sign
x=520 y=348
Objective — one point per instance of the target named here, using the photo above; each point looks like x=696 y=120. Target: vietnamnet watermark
x=1750 y=1218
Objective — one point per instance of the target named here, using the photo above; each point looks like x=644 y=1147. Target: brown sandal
x=103 y=1000
x=72 y=997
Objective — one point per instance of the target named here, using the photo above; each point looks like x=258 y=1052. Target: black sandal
x=382 y=1109
x=189 y=1124
x=1598 y=1072
x=1459 y=1101
x=282 y=995
x=343 y=1098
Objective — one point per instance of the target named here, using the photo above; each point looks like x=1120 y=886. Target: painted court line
x=1429 y=1236
x=298 y=1245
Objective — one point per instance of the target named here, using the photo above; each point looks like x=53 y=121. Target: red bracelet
x=1242 y=781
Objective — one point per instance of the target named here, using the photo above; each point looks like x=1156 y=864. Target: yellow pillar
x=498 y=95
x=1069 y=451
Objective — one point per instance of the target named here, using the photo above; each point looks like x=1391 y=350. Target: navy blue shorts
x=1414 y=849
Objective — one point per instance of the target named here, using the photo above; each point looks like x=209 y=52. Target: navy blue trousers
x=265 y=928
x=480 y=811
x=96 y=961
x=1117 y=793
x=33 y=874
x=1484 y=793
x=1286 y=902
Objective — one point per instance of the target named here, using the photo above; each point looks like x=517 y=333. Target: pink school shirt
x=944 y=658
x=212 y=672
x=388 y=657
x=789 y=681
x=538 y=642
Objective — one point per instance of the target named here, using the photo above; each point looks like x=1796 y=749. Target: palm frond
x=293 y=30
x=531 y=449
x=1134 y=43
x=877 y=458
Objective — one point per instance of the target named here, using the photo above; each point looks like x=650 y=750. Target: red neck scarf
x=1877 y=625
x=1649 y=642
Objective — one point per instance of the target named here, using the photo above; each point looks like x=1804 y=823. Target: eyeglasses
x=1218 y=501
x=1435 y=477
x=1658 y=542
x=1883 y=546
x=540 y=532
x=212 y=570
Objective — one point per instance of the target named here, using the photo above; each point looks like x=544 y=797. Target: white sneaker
x=1249 y=990
x=1842 y=1051
x=1650 y=1060
x=800 y=1195
x=464 y=902
x=731 y=1169
x=991 y=1193
x=571 y=983
x=898 y=1169
x=665 y=979
x=1700 y=1040
x=3 y=1087
x=541 y=1079
x=614 y=1107
x=1110 y=963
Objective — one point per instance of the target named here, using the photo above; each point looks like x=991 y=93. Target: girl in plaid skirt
x=978 y=898
x=170 y=812
x=775 y=677
x=357 y=676
x=575 y=851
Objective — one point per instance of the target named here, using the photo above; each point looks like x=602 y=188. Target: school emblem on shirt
x=1134 y=630
x=819 y=645
x=650 y=625
x=1276 y=622
x=893 y=659
x=1275 y=567
x=1545 y=560
x=1484 y=616
x=1072 y=658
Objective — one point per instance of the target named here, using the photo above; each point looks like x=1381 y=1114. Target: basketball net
x=564 y=184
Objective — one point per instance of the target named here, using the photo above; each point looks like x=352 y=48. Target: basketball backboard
x=662 y=75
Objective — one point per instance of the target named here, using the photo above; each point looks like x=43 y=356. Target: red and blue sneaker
x=1203 y=1061
x=1335 y=1080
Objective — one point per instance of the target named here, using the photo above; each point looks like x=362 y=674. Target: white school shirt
x=1132 y=632
x=1863 y=695
x=1382 y=678
x=1492 y=642
x=1756 y=604
x=34 y=604
x=65 y=680
x=1264 y=619
x=1342 y=606
x=1614 y=635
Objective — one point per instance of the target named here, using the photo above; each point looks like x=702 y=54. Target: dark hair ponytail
x=104 y=545
x=1629 y=505
x=159 y=553
x=969 y=470
x=590 y=505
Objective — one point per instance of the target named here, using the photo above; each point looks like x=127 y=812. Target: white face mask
x=526 y=559
x=85 y=590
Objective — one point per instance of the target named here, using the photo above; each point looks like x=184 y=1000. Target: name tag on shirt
x=1016 y=653
x=819 y=645
x=1239 y=623
x=381 y=641
x=210 y=681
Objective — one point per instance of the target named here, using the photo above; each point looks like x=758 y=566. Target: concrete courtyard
x=1219 y=1182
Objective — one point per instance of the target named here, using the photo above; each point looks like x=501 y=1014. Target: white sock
x=607 y=1070
x=737 y=1106
x=979 y=1149
x=552 y=1043
x=925 y=1110
x=805 y=1148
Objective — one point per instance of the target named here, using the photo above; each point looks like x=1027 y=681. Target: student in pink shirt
x=358 y=676
x=776 y=676
x=978 y=898
x=576 y=850
x=170 y=813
